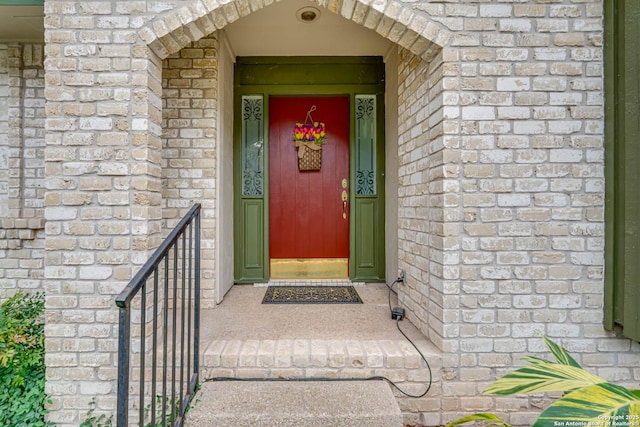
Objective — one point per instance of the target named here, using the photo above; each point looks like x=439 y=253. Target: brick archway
x=411 y=30
x=421 y=40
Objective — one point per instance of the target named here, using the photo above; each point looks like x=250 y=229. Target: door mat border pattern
x=311 y=295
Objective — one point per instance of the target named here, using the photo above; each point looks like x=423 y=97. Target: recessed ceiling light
x=308 y=14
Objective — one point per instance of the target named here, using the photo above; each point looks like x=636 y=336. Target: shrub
x=588 y=400
x=22 y=368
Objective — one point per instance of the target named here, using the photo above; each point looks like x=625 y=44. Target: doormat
x=311 y=295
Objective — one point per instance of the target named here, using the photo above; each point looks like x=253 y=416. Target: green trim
x=610 y=162
x=302 y=72
x=308 y=76
x=622 y=166
x=21 y=2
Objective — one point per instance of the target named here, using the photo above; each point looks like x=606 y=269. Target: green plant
x=588 y=400
x=93 y=420
x=169 y=416
x=96 y=420
x=22 y=369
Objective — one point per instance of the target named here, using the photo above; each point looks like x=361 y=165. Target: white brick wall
x=4 y=131
x=189 y=81
x=21 y=168
x=500 y=200
x=527 y=216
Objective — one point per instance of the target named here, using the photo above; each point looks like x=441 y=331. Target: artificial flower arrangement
x=315 y=132
x=309 y=137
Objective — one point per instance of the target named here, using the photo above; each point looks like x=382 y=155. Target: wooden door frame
x=263 y=77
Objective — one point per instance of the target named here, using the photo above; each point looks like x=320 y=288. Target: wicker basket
x=309 y=156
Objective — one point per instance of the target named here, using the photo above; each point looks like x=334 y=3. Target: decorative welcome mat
x=311 y=295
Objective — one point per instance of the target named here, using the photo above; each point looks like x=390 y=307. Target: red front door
x=307 y=217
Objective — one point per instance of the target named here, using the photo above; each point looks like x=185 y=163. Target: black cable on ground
x=392 y=290
x=327 y=379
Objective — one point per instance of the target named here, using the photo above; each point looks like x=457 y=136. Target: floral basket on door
x=309 y=137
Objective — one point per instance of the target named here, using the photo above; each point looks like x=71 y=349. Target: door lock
x=345 y=197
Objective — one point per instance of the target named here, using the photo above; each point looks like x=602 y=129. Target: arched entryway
x=410 y=46
x=273 y=32
x=300 y=220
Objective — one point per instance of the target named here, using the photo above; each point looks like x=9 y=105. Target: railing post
x=196 y=321
x=167 y=248
x=123 y=366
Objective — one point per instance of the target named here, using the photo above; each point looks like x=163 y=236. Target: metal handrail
x=178 y=256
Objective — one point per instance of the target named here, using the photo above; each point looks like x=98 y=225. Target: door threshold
x=310 y=282
x=309 y=268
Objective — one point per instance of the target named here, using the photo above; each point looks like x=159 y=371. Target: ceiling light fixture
x=308 y=14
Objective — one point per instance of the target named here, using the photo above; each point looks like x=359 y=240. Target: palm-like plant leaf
x=543 y=377
x=595 y=404
x=560 y=353
x=535 y=360
x=480 y=417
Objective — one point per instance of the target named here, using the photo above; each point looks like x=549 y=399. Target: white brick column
x=103 y=197
x=190 y=146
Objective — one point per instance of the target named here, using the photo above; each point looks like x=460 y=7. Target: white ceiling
x=21 y=24
x=272 y=31
x=276 y=31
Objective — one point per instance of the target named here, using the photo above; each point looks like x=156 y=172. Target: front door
x=308 y=213
x=287 y=217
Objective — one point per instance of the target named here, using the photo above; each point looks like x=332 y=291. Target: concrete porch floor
x=243 y=338
x=242 y=316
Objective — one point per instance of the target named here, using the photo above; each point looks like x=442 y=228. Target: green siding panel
x=630 y=128
x=622 y=138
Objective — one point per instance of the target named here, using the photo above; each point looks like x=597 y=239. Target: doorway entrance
x=290 y=222
x=309 y=209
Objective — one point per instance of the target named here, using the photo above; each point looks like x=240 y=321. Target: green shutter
x=368 y=245
x=250 y=249
x=622 y=165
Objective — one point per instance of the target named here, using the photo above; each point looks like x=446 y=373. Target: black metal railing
x=159 y=329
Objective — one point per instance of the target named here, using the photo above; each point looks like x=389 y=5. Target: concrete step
x=310 y=357
x=294 y=403
x=396 y=360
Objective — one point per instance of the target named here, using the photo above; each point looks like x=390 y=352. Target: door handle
x=345 y=197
